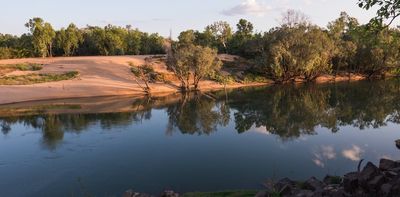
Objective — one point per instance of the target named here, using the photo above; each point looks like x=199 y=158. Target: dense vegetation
x=43 y=41
x=295 y=50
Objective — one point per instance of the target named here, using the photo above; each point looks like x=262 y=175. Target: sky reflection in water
x=204 y=142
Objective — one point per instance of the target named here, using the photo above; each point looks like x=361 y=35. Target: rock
x=131 y=193
x=375 y=184
x=398 y=143
x=286 y=190
x=369 y=172
x=395 y=190
x=304 y=193
x=281 y=184
x=386 y=164
x=350 y=181
x=385 y=189
x=390 y=174
x=169 y=193
x=313 y=184
x=332 y=180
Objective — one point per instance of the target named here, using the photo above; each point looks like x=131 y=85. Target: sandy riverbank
x=98 y=76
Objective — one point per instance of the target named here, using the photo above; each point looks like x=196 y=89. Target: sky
x=161 y=16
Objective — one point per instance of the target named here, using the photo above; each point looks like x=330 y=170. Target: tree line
x=295 y=50
x=298 y=49
x=43 y=41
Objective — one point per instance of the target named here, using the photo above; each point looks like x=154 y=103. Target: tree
x=43 y=35
x=387 y=10
x=179 y=61
x=241 y=37
x=222 y=32
x=145 y=73
x=340 y=31
x=191 y=60
x=206 y=62
x=244 y=28
x=187 y=38
x=297 y=52
x=68 y=40
x=293 y=18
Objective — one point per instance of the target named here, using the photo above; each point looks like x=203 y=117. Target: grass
x=36 y=78
x=239 y=193
x=21 y=67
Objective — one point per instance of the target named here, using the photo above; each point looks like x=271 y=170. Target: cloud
x=248 y=7
x=353 y=153
x=324 y=154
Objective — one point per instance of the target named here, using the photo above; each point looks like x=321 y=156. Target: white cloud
x=322 y=155
x=248 y=7
x=353 y=153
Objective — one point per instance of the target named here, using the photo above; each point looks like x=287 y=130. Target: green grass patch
x=36 y=78
x=21 y=67
x=239 y=193
x=252 y=78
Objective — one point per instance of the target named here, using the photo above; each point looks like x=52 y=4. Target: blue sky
x=162 y=15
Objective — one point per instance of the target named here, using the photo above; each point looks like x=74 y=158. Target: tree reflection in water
x=286 y=111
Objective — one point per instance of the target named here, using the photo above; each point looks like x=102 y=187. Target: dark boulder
x=314 y=184
x=169 y=193
x=332 y=180
x=284 y=186
x=398 y=143
x=369 y=172
x=386 y=164
x=350 y=181
x=375 y=184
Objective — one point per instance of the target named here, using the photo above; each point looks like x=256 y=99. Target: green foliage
x=68 y=40
x=36 y=78
x=221 y=78
x=43 y=35
x=188 y=60
x=387 y=10
x=251 y=78
x=145 y=73
x=297 y=52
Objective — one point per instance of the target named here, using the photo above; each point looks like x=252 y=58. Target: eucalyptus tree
x=43 y=35
x=222 y=33
x=68 y=40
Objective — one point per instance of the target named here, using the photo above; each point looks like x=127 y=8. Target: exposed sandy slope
x=99 y=76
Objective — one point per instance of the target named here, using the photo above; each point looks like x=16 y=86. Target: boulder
x=398 y=143
x=332 y=180
x=314 y=184
x=284 y=183
x=386 y=164
x=169 y=193
x=369 y=172
x=375 y=184
x=304 y=193
x=131 y=193
x=385 y=189
x=350 y=181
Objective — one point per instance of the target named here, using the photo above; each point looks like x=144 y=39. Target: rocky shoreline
x=371 y=181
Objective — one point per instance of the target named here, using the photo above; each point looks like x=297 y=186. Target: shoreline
x=326 y=79
x=106 y=76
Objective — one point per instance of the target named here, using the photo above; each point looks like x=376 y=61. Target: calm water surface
x=204 y=142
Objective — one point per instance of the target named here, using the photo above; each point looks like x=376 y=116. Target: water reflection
x=287 y=111
x=196 y=142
